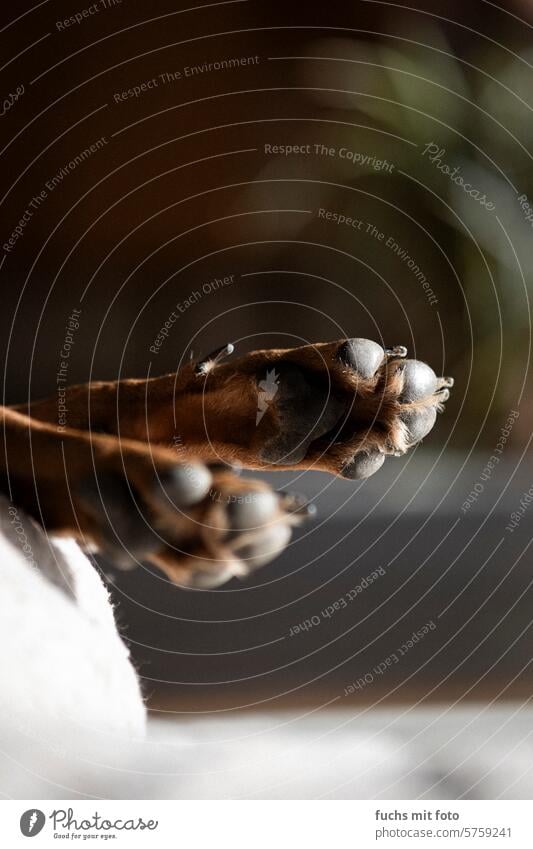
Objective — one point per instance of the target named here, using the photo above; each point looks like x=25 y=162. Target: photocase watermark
x=370 y=229
x=412 y=830
x=195 y=477
x=416 y=816
x=71 y=328
x=268 y=389
x=32 y=822
x=184 y=73
x=226 y=64
x=192 y=471
x=22 y=538
x=526 y=208
x=12 y=98
x=79 y=159
x=82 y=15
x=340 y=604
x=65 y=820
x=436 y=154
x=356 y=157
x=391 y=660
x=182 y=306
x=65 y=824
x=232 y=498
x=50 y=185
x=494 y=459
x=406 y=258
x=517 y=515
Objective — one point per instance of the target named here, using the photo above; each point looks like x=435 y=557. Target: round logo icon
x=32 y=822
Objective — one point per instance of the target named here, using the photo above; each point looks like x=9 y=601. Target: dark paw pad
x=185 y=484
x=419 y=422
x=362 y=355
x=266 y=544
x=252 y=510
x=363 y=465
x=306 y=410
x=124 y=534
x=419 y=381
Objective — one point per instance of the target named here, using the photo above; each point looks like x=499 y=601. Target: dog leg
x=340 y=407
x=136 y=503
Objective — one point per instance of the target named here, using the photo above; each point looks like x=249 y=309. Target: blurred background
x=355 y=169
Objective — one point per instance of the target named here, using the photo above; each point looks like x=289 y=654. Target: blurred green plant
x=476 y=112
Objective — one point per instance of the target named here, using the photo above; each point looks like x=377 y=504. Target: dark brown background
x=186 y=194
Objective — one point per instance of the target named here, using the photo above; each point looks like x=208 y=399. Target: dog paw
x=202 y=526
x=341 y=407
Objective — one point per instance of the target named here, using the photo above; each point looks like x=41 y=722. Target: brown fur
x=134 y=427
x=212 y=416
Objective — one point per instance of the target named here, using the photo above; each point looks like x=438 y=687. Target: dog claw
x=307 y=511
x=297 y=505
x=203 y=366
x=397 y=351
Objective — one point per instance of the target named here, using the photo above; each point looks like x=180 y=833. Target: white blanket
x=73 y=720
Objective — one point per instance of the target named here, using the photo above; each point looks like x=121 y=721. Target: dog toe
x=250 y=510
x=263 y=546
x=419 y=381
x=185 y=484
x=362 y=355
x=112 y=509
x=244 y=527
x=419 y=422
x=363 y=465
x=305 y=410
x=209 y=575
